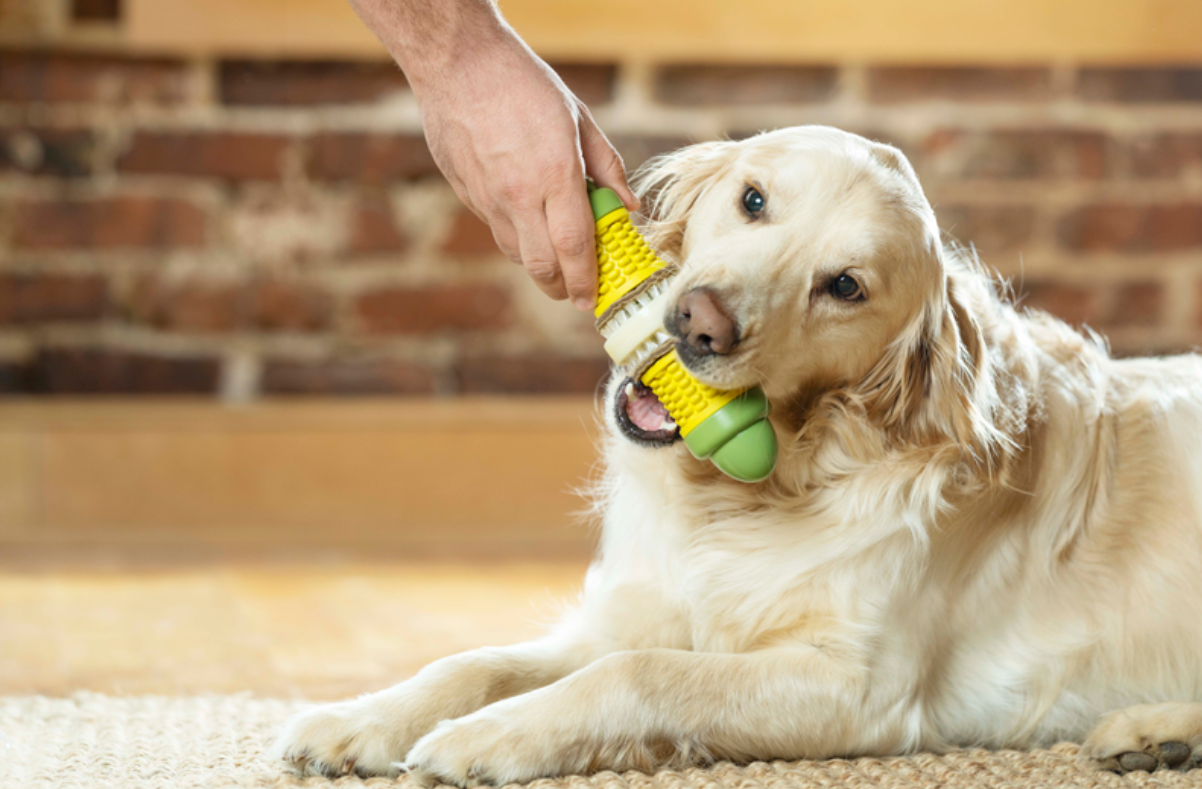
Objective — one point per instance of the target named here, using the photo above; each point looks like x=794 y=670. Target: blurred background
x=261 y=373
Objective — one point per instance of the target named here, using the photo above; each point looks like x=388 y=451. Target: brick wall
x=250 y=229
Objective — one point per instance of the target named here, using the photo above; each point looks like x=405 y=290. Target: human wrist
x=473 y=33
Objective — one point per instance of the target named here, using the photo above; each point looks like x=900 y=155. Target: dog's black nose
x=702 y=322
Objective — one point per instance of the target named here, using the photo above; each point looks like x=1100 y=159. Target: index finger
x=570 y=227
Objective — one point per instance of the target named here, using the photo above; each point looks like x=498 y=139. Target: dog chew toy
x=730 y=428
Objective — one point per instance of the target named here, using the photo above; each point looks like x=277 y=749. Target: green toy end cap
x=727 y=422
x=738 y=437
x=750 y=456
x=604 y=201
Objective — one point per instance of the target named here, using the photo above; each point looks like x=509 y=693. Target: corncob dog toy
x=730 y=428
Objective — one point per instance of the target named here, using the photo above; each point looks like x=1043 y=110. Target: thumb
x=603 y=163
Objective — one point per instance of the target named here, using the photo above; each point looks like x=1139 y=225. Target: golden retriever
x=982 y=530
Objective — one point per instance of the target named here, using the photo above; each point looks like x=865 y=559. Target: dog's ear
x=894 y=159
x=669 y=186
x=894 y=391
x=963 y=395
x=935 y=383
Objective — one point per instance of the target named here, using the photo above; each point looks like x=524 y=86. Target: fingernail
x=583 y=304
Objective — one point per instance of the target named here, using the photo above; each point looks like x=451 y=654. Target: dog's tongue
x=646 y=411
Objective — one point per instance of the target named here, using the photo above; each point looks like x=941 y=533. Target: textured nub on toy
x=729 y=427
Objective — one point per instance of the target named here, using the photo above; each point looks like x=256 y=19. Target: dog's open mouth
x=642 y=417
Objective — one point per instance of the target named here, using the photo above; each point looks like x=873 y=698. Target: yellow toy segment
x=689 y=402
x=624 y=260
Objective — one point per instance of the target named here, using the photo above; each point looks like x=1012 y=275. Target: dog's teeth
x=630 y=390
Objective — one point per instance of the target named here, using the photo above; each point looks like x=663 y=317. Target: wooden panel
x=485 y=472
x=925 y=31
x=18 y=483
x=269 y=27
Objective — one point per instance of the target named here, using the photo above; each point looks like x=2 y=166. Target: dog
x=982 y=529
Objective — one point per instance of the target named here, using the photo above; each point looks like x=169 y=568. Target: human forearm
x=429 y=38
x=509 y=136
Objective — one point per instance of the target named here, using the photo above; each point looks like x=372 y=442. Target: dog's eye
x=846 y=288
x=753 y=202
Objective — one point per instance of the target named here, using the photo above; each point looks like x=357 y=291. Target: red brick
x=95 y=10
x=401 y=310
x=469 y=236
x=33 y=298
x=989 y=228
x=287 y=306
x=14 y=377
x=1120 y=227
x=1165 y=155
x=1174 y=226
x=373 y=229
x=1134 y=304
x=346 y=377
x=301 y=83
x=1019 y=154
x=593 y=83
x=47 y=77
x=186 y=306
x=233 y=156
x=64 y=153
x=1101 y=306
x=1075 y=304
x=102 y=371
x=1140 y=85
x=370 y=158
x=963 y=84
x=108 y=223
x=702 y=84
x=195 y=306
x=531 y=375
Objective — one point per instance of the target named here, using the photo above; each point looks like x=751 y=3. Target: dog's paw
x=341 y=739
x=1147 y=737
x=483 y=748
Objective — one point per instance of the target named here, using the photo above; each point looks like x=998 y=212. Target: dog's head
x=811 y=263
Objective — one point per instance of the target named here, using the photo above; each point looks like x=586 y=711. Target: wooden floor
x=313 y=548
x=313 y=632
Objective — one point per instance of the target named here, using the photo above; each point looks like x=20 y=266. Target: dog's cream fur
x=981 y=530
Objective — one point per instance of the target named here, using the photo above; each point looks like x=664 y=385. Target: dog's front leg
x=655 y=708
x=370 y=734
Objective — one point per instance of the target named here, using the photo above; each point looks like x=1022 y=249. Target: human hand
x=515 y=145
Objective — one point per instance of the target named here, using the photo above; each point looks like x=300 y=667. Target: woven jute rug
x=211 y=742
